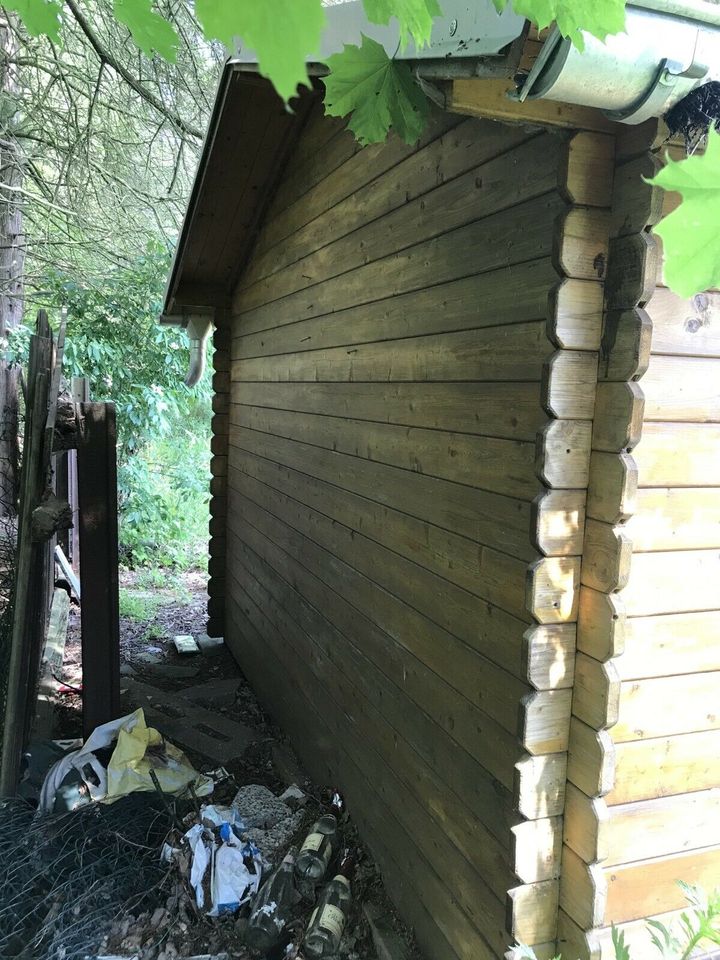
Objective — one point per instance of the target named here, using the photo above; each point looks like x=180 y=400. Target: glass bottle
x=272 y=908
x=328 y=920
x=317 y=851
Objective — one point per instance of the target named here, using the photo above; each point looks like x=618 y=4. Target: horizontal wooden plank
x=644 y=712
x=489 y=98
x=524 y=173
x=569 y=384
x=591 y=759
x=668 y=518
x=636 y=204
x=587 y=174
x=582 y=243
x=618 y=417
x=434 y=554
x=558 y=522
x=448 y=714
x=666 y=766
x=551 y=593
x=606 y=557
x=300 y=200
x=532 y=911
x=601 y=624
x=633 y=269
x=521 y=234
x=585 y=825
x=540 y=785
x=583 y=890
x=662 y=826
x=502 y=466
x=670 y=645
x=562 y=454
x=487 y=518
x=625 y=350
x=549 y=662
x=399 y=822
x=515 y=352
x=688 y=328
x=421 y=184
x=682 y=389
x=647 y=887
x=597 y=695
x=540 y=720
x=516 y=294
x=511 y=411
x=576 y=308
x=672 y=582
x=679 y=455
x=612 y=489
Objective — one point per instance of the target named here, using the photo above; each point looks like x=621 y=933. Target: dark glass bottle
x=328 y=920
x=272 y=908
x=320 y=846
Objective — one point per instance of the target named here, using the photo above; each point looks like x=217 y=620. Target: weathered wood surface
x=399 y=482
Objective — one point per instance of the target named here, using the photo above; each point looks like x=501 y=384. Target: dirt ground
x=154 y=608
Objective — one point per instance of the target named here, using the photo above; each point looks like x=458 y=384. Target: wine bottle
x=317 y=851
x=273 y=907
x=328 y=920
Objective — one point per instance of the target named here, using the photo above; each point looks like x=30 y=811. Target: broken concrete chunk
x=186 y=643
x=259 y=807
x=294 y=797
x=209 y=645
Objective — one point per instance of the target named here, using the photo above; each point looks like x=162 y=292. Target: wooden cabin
x=465 y=535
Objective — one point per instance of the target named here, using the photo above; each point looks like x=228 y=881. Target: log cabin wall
x=414 y=360
x=218 y=468
x=643 y=804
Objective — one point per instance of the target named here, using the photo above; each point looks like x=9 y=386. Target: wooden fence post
x=98 y=534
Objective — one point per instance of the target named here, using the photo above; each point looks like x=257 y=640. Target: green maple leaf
x=597 y=17
x=39 y=16
x=691 y=233
x=283 y=33
x=379 y=93
x=149 y=30
x=415 y=17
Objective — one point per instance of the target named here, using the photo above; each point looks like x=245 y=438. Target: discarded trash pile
x=127 y=856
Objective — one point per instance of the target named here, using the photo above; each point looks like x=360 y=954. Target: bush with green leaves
x=114 y=339
x=697 y=928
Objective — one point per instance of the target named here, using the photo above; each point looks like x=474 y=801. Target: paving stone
x=189 y=725
x=213 y=693
x=172 y=671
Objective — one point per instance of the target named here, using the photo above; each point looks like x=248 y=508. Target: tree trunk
x=12 y=256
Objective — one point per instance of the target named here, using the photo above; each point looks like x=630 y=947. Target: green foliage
x=282 y=33
x=137 y=605
x=697 y=927
x=379 y=93
x=597 y=17
x=149 y=30
x=41 y=17
x=415 y=17
x=691 y=239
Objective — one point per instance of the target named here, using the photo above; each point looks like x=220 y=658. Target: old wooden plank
x=581 y=246
x=591 y=759
x=659 y=464
x=516 y=294
x=97 y=489
x=484 y=517
x=501 y=466
x=685 y=389
x=51 y=663
x=540 y=785
x=633 y=268
x=612 y=490
x=488 y=98
x=672 y=582
x=643 y=706
x=587 y=174
x=526 y=172
x=618 y=420
x=606 y=557
x=586 y=825
x=515 y=352
x=685 y=327
x=583 y=890
x=670 y=644
x=562 y=454
x=367 y=193
x=552 y=585
x=575 y=314
x=569 y=382
x=668 y=518
x=601 y=624
x=641 y=889
x=503 y=239
x=507 y=410
x=558 y=522
x=625 y=350
x=597 y=692
x=635 y=203
x=665 y=766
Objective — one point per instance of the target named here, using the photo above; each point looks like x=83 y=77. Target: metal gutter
x=698 y=10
